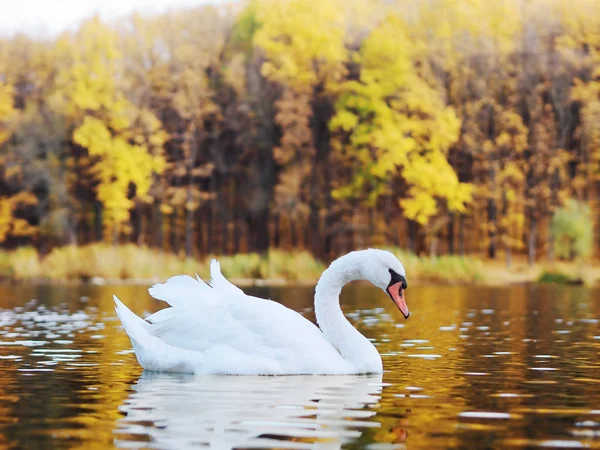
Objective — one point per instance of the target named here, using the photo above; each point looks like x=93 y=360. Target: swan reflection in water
x=175 y=411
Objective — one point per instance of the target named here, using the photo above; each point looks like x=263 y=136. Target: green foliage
x=553 y=277
x=572 y=228
x=245 y=26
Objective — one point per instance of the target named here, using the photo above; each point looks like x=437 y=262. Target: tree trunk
x=550 y=247
x=219 y=228
x=293 y=233
x=412 y=236
x=136 y=218
x=492 y=212
x=276 y=230
x=158 y=227
x=235 y=234
x=199 y=226
x=328 y=227
x=208 y=220
x=451 y=234
x=72 y=233
x=461 y=234
x=173 y=232
x=322 y=112
x=115 y=232
x=433 y=246
x=371 y=233
x=189 y=228
x=97 y=221
x=258 y=231
x=261 y=171
x=531 y=241
x=314 y=229
x=235 y=217
x=224 y=242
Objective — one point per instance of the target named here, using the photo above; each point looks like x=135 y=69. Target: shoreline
x=100 y=264
x=280 y=282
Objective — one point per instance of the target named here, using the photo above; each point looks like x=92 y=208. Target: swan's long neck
x=352 y=345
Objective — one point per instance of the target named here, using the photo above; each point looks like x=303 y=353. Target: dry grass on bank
x=130 y=262
x=96 y=260
x=127 y=262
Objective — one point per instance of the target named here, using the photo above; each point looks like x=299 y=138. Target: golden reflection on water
x=473 y=367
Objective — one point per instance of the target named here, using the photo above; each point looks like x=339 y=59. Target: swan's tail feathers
x=219 y=282
x=181 y=290
x=151 y=352
x=137 y=328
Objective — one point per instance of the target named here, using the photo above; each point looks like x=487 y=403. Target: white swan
x=215 y=328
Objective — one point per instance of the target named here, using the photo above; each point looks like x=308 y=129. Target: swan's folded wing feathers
x=246 y=325
x=182 y=291
x=162 y=316
x=213 y=325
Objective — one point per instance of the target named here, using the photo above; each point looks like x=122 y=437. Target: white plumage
x=215 y=328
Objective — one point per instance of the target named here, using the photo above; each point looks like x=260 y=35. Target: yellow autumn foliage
x=492 y=27
x=582 y=31
x=6 y=110
x=399 y=125
x=303 y=45
x=124 y=141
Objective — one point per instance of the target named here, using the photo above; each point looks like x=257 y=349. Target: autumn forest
x=440 y=126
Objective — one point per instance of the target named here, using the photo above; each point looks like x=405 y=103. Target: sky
x=50 y=17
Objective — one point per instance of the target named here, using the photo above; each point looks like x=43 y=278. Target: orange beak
x=396 y=293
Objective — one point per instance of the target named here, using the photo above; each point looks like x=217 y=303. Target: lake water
x=473 y=367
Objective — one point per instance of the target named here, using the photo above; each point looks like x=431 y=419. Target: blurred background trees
x=442 y=127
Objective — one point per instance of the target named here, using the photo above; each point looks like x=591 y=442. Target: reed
x=445 y=268
x=127 y=262
x=275 y=264
x=95 y=260
x=20 y=264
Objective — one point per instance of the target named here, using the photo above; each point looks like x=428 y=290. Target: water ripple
x=177 y=411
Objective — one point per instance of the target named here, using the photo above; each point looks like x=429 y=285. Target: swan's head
x=385 y=271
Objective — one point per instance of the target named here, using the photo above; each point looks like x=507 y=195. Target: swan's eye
x=397 y=278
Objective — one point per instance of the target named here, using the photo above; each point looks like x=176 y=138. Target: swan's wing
x=247 y=324
x=182 y=290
